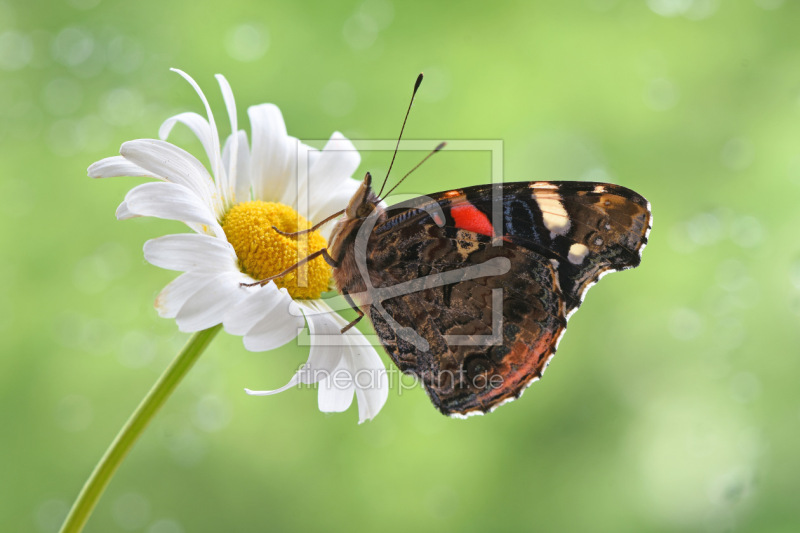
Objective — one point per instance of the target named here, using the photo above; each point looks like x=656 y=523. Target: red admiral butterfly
x=469 y=290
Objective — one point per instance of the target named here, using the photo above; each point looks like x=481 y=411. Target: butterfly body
x=470 y=290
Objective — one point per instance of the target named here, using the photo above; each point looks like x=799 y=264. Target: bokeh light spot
x=72 y=46
x=691 y=9
x=16 y=50
x=131 y=511
x=247 y=42
x=705 y=229
x=49 y=515
x=360 y=31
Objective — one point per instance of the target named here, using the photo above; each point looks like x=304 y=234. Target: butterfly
x=469 y=290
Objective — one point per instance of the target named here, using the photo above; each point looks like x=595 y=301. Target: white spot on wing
x=554 y=215
x=577 y=253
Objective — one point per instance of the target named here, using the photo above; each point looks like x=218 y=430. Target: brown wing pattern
x=482 y=347
x=471 y=350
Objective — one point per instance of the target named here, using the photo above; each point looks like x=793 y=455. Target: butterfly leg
x=357 y=309
x=323 y=252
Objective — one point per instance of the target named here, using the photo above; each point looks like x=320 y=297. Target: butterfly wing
x=474 y=286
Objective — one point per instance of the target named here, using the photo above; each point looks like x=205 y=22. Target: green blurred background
x=673 y=402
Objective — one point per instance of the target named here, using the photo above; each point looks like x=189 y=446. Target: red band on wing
x=470 y=218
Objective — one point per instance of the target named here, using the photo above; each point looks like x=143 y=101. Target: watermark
x=373 y=378
x=309 y=178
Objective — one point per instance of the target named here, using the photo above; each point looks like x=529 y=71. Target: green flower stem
x=134 y=427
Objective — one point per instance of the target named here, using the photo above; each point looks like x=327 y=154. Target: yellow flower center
x=263 y=252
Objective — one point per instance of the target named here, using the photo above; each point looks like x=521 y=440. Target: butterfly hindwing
x=484 y=338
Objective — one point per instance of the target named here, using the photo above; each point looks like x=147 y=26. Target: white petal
x=207 y=306
x=321 y=360
x=292 y=383
x=318 y=368
x=371 y=381
x=259 y=304
x=176 y=164
x=227 y=183
x=324 y=355
x=313 y=157
x=112 y=167
x=339 y=159
x=282 y=324
x=295 y=192
x=359 y=359
x=329 y=200
x=242 y=167
x=331 y=186
x=336 y=391
x=273 y=154
x=320 y=364
x=174 y=295
x=172 y=202
x=191 y=252
x=214 y=153
x=342 y=364
x=123 y=213
x=199 y=126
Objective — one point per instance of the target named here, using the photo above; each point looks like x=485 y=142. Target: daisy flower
x=232 y=206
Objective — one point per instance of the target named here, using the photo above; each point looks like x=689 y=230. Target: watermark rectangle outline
x=495 y=149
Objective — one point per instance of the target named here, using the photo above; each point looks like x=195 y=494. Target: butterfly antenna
x=441 y=145
x=416 y=86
